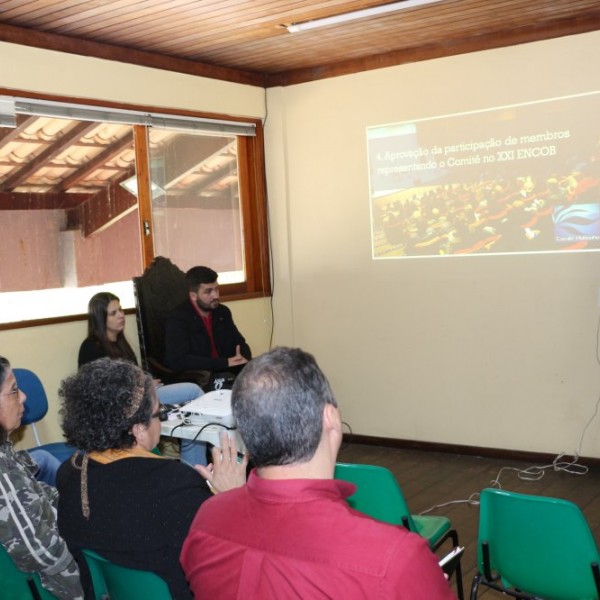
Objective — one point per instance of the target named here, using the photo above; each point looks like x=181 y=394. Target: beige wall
x=52 y=351
x=492 y=351
x=31 y=69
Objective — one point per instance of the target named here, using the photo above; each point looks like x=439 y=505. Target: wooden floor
x=429 y=479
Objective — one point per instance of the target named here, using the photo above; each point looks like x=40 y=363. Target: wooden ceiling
x=246 y=41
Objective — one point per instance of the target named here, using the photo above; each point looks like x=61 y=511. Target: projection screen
x=511 y=179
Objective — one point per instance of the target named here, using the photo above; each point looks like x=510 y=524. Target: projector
x=212 y=407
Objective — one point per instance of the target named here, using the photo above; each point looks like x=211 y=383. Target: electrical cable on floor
x=536 y=472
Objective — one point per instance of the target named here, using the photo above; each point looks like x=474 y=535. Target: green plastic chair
x=535 y=547
x=114 y=582
x=379 y=495
x=17 y=585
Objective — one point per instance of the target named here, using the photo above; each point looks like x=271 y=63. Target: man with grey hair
x=288 y=533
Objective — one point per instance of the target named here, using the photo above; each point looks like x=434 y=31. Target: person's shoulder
x=169 y=472
x=89 y=343
x=221 y=504
x=181 y=310
x=378 y=546
x=172 y=469
x=375 y=534
x=9 y=458
x=223 y=311
x=90 y=349
x=178 y=479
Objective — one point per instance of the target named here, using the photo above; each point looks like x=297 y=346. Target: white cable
x=536 y=472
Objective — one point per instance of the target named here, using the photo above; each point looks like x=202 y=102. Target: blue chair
x=17 y=585
x=36 y=407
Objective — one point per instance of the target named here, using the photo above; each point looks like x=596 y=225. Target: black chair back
x=159 y=290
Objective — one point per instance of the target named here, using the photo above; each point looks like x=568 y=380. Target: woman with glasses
x=106 y=338
x=116 y=496
x=28 y=527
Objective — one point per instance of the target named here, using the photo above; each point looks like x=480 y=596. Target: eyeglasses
x=162 y=414
x=13 y=392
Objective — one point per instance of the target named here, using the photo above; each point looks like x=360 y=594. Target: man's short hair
x=196 y=276
x=277 y=401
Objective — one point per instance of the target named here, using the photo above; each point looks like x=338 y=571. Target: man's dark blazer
x=187 y=345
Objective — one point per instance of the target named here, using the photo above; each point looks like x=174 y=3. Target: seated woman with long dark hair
x=28 y=528
x=106 y=338
x=118 y=498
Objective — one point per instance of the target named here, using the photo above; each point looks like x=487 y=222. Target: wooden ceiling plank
x=241 y=27
x=125 y=21
x=222 y=18
x=165 y=31
x=45 y=16
x=87 y=22
x=12 y=9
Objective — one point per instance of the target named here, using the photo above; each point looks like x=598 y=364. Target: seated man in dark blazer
x=200 y=333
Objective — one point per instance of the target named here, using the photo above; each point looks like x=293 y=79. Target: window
x=88 y=198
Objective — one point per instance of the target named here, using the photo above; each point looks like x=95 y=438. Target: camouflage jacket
x=28 y=529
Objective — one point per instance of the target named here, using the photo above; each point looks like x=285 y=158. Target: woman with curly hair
x=28 y=529
x=115 y=496
x=106 y=338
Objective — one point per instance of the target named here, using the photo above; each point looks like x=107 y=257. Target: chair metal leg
x=33 y=589
x=475 y=586
x=459 y=582
x=453 y=534
x=596 y=574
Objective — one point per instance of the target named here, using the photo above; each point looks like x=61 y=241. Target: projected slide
x=514 y=179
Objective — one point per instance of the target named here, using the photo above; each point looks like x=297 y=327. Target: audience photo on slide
x=514 y=179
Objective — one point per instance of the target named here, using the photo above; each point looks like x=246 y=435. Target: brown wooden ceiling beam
x=220 y=200
x=95 y=163
x=9 y=134
x=211 y=178
x=47 y=155
x=37 y=201
x=72 y=45
x=101 y=210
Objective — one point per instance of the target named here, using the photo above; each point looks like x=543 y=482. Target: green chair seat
x=432 y=528
x=18 y=585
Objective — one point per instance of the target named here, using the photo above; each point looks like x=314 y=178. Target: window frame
x=253 y=199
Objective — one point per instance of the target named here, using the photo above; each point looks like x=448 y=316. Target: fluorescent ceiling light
x=358 y=14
